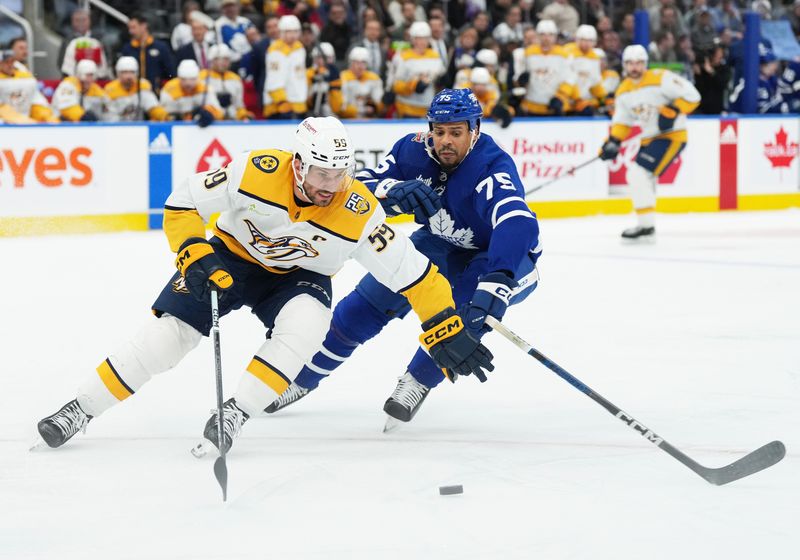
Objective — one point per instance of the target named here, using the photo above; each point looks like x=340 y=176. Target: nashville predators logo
x=286 y=248
x=179 y=286
x=357 y=204
x=267 y=164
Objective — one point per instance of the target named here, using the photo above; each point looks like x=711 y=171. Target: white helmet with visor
x=326 y=154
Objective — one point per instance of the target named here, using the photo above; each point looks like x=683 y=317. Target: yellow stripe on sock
x=647 y=210
x=268 y=375
x=113 y=381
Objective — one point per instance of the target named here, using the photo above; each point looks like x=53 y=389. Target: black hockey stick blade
x=758 y=460
x=221 y=472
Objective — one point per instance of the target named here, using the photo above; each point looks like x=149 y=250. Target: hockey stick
x=758 y=460
x=220 y=466
x=567 y=174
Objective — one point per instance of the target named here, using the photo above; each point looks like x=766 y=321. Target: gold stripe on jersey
x=429 y=294
x=237 y=249
x=115 y=89
x=684 y=106
x=181 y=224
x=620 y=131
x=650 y=78
x=268 y=374
x=113 y=382
x=283 y=47
x=557 y=50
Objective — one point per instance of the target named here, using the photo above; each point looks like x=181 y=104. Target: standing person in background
x=585 y=66
x=711 y=78
x=19 y=47
x=80 y=26
x=80 y=45
x=657 y=101
x=78 y=97
x=438 y=42
x=182 y=32
x=362 y=90
x=417 y=70
x=129 y=100
x=21 y=102
x=324 y=85
x=564 y=15
x=154 y=57
x=186 y=98
x=227 y=86
x=337 y=32
x=271 y=33
x=197 y=47
x=286 y=88
x=547 y=76
x=230 y=29
x=372 y=42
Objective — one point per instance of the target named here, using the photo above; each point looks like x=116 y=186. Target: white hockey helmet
x=586 y=32
x=188 y=70
x=600 y=53
x=84 y=68
x=546 y=27
x=479 y=76
x=487 y=57
x=323 y=142
x=419 y=29
x=325 y=50
x=127 y=64
x=289 y=23
x=634 y=53
x=220 y=51
x=359 y=54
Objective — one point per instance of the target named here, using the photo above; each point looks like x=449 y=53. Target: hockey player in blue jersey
x=464 y=191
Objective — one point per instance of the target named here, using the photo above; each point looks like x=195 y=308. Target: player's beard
x=317 y=196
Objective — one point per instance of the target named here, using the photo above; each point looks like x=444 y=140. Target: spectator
x=662 y=50
x=690 y=17
x=308 y=38
x=182 y=33
x=83 y=47
x=324 y=84
x=789 y=85
x=417 y=70
x=463 y=54
x=80 y=26
x=197 y=48
x=79 y=98
x=303 y=11
x=247 y=64
x=372 y=43
x=19 y=47
x=763 y=8
x=408 y=16
x=594 y=12
x=227 y=86
x=438 y=42
x=612 y=46
x=497 y=10
x=186 y=98
x=286 y=88
x=564 y=16
x=230 y=28
x=337 y=31
x=21 y=102
x=436 y=12
x=768 y=98
x=153 y=56
x=793 y=15
x=362 y=90
x=669 y=20
x=129 y=101
x=703 y=33
x=728 y=16
x=626 y=33
x=711 y=78
x=547 y=75
x=685 y=54
x=259 y=60
x=481 y=24
x=511 y=27
x=590 y=95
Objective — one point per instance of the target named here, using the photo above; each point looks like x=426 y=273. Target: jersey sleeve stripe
x=521 y=213
x=504 y=201
x=177 y=208
x=339 y=235
x=418 y=280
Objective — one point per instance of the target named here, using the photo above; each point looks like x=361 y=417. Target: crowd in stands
x=387 y=58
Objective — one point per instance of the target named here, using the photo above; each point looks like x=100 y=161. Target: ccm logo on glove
x=441 y=331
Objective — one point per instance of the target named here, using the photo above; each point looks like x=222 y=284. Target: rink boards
x=106 y=177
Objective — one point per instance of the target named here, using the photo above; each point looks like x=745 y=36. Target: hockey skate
x=58 y=428
x=291 y=395
x=639 y=234
x=404 y=402
x=233 y=419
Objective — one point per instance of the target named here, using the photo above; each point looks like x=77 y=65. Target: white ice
x=698 y=336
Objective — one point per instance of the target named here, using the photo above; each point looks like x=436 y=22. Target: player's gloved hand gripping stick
x=201 y=267
x=453 y=348
x=409 y=197
x=491 y=297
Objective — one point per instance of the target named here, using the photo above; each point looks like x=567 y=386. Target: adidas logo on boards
x=160 y=144
x=728 y=135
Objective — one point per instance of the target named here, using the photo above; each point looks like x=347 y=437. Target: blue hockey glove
x=557 y=106
x=453 y=348
x=203 y=117
x=412 y=197
x=610 y=149
x=200 y=266
x=491 y=297
x=666 y=117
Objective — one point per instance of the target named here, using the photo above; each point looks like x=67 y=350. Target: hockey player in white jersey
x=416 y=71
x=658 y=101
x=288 y=222
x=286 y=88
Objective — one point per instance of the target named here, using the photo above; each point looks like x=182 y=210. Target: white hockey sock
x=158 y=346
x=643 y=192
x=299 y=330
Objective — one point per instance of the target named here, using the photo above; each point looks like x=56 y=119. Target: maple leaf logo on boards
x=782 y=152
x=215 y=156
x=442 y=225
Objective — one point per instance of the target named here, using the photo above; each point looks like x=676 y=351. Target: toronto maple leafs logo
x=443 y=225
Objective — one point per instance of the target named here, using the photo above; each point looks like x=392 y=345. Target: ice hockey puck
x=450 y=490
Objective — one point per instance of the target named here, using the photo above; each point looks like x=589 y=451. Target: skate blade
x=38 y=445
x=392 y=424
x=644 y=240
x=202 y=449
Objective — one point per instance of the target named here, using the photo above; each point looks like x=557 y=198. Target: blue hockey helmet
x=455 y=105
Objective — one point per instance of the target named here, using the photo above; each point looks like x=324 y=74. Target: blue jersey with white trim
x=483 y=200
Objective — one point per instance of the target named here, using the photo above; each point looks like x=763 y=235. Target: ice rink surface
x=698 y=336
